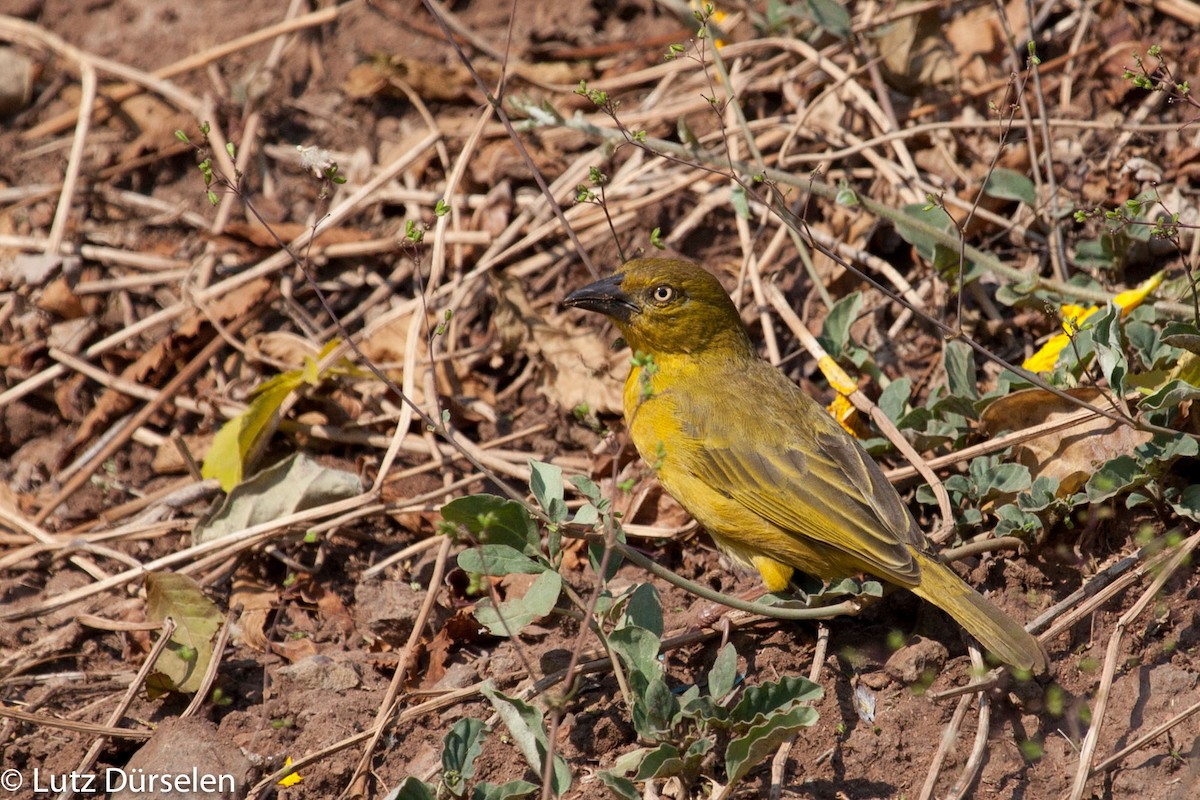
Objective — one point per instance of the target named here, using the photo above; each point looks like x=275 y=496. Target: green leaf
x=1184 y=335
x=494 y=520
x=1011 y=519
x=546 y=483
x=513 y=614
x=894 y=398
x=412 y=789
x=959 y=487
x=959 y=359
x=1162 y=451
x=1009 y=185
x=242 y=437
x=760 y=702
x=915 y=232
x=918 y=419
x=660 y=762
x=852 y=587
x=1096 y=253
x=746 y=752
x=630 y=760
x=638 y=649
x=460 y=747
x=587 y=514
x=1144 y=339
x=596 y=557
x=805 y=589
x=723 y=675
x=655 y=708
x=696 y=752
x=498 y=559
x=505 y=791
x=644 y=609
x=1041 y=495
x=1109 y=346
x=588 y=488
x=1170 y=395
x=835 y=330
x=619 y=785
x=528 y=730
x=830 y=16
x=1136 y=498
x=1114 y=477
x=1007 y=479
x=953 y=405
x=197 y=619
x=1188 y=503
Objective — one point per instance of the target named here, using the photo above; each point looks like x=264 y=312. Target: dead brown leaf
x=1071 y=456
x=584 y=369
x=58 y=298
x=154 y=122
x=257 y=601
x=69 y=397
x=294 y=649
x=332 y=609
x=461 y=628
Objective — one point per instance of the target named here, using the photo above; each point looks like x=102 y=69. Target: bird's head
x=665 y=306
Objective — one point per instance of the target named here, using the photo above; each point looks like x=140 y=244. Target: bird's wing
x=817 y=484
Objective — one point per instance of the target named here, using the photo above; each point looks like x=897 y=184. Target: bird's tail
x=999 y=633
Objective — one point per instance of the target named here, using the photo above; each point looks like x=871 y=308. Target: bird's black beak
x=605 y=296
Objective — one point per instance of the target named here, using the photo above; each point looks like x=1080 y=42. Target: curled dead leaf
x=1072 y=455
x=257 y=602
x=58 y=298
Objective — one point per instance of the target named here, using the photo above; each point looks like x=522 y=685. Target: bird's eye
x=662 y=294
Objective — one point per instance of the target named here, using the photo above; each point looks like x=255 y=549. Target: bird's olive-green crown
x=664 y=305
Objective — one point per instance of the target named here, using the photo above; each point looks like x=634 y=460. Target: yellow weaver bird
x=775 y=480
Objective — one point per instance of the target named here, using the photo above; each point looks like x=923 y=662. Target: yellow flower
x=290 y=780
x=1075 y=316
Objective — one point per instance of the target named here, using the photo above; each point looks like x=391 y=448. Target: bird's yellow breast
x=657 y=427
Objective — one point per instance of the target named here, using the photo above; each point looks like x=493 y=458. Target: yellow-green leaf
x=242 y=440
x=239 y=439
x=181 y=666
